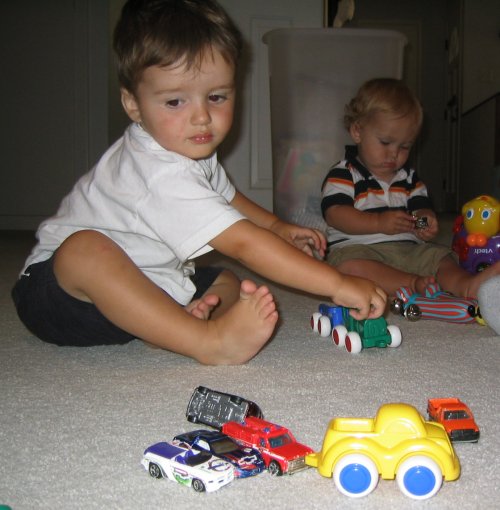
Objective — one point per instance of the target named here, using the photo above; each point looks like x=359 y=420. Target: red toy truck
x=456 y=418
x=280 y=450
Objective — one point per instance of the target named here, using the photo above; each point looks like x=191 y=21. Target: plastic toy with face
x=481 y=219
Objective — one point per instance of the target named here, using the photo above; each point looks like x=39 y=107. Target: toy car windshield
x=456 y=415
x=223 y=445
x=276 y=442
x=190 y=458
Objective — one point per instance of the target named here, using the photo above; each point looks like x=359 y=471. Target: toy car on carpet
x=456 y=418
x=397 y=443
x=214 y=408
x=434 y=304
x=352 y=334
x=279 y=448
x=199 y=470
x=245 y=460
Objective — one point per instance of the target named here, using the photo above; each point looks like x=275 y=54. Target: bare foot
x=474 y=283
x=202 y=308
x=419 y=283
x=244 y=329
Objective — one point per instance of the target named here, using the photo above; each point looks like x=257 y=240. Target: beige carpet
x=74 y=422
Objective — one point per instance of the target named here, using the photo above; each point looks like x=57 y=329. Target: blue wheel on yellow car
x=419 y=477
x=355 y=475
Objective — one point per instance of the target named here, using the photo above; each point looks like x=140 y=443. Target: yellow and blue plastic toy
x=397 y=443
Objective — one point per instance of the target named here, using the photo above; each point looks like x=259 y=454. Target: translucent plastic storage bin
x=314 y=72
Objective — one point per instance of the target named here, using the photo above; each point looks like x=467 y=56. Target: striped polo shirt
x=350 y=183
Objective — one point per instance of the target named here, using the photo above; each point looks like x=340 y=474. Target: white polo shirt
x=160 y=207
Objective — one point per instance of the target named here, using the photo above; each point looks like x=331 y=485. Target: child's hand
x=309 y=240
x=365 y=299
x=431 y=231
x=396 y=222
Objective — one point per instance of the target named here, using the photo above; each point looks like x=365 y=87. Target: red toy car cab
x=279 y=448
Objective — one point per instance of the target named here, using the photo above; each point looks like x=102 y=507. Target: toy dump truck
x=456 y=418
x=397 y=443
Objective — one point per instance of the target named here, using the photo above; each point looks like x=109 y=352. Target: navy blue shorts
x=54 y=316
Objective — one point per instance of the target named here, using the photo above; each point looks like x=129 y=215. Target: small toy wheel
x=192 y=418
x=274 y=468
x=355 y=475
x=324 y=326
x=338 y=335
x=315 y=321
x=353 y=342
x=395 y=333
x=154 y=470
x=198 y=485
x=419 y=477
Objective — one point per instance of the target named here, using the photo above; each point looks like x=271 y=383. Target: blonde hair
x=382 y=95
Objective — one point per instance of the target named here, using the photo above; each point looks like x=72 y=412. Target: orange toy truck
x=456 y=418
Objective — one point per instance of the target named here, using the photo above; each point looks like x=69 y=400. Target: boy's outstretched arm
x=269 y=255
x=306 y=239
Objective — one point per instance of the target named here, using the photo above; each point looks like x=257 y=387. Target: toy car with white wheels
x=397 y=443
x=326 y=318
x=199 y=470
x=434 y=304
x=245 y=460
x=354 y=335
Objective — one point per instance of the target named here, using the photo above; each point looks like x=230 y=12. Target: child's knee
x=85 y=243
x=82 y=249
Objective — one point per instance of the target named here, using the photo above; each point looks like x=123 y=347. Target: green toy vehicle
x=357 y=335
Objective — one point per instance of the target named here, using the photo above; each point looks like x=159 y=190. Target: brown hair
x=382 y=95
x=163 y=32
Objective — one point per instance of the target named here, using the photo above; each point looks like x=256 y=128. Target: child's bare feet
x=202 y=308
x=244 y=329
x=419 y=283
x=474 y=283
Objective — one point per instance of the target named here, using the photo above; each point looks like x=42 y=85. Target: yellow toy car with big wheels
x=397 y=443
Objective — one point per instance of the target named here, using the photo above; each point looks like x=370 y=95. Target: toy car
x=420 y=221
x=214 y=408
x=326 y=318
x=397 y=443
x=246 y=461
x=434 y=304
x=352 y=334
x=199 y=470
x=455 y=417
x=279 y=448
